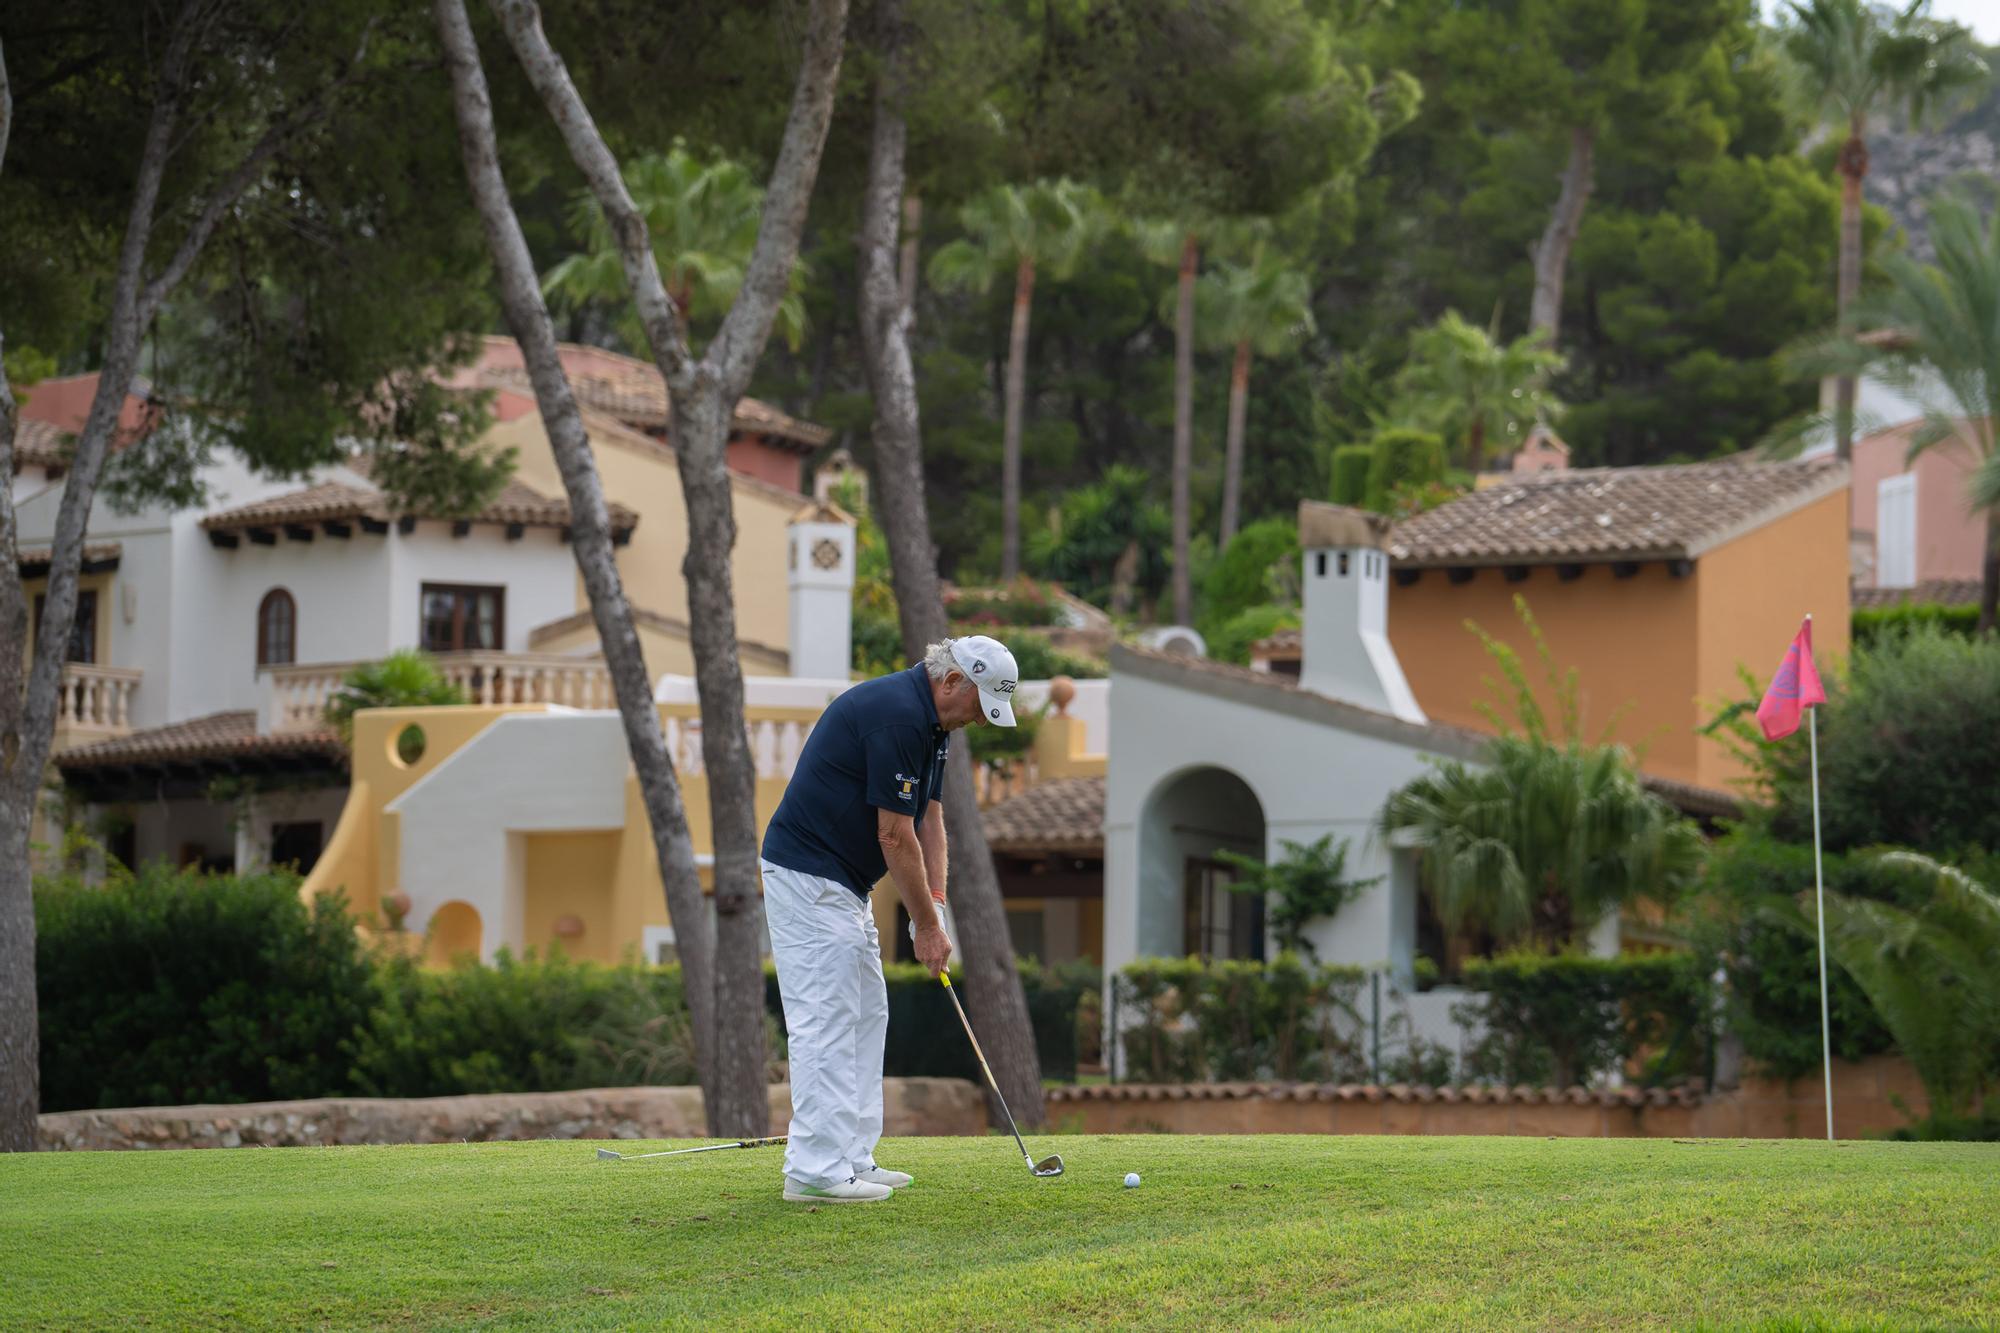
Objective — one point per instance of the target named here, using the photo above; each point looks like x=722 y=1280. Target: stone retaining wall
x=911 y=1106
x=1760 y=1109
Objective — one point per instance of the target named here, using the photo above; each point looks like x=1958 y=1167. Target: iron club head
x=606 y=1155
x=1052 y=1165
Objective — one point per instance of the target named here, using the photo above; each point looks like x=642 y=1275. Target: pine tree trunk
x=1552 y=253
x=913 y=226
x=1475 y=444
x=1184 y=428
x=1010 y=437
x=738 y=1105
x=1232 y=466
x=998 y=1007
x=1853 y=166
x=590 y=533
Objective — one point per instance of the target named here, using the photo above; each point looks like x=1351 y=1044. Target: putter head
x=606 y=1155
x=1050 y=1166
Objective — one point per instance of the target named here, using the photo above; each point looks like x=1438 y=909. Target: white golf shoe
x=878 y=1175
x=851 y=1190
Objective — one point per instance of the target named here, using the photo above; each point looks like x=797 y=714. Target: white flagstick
x=1819 y=898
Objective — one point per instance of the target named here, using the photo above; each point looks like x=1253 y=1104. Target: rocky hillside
x=1906 y=168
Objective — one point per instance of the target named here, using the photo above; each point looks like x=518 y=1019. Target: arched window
x=277 y=629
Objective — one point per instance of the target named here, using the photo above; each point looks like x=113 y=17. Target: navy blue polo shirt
x=876 y=747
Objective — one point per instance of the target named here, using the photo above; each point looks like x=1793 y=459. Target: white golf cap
x=989 y=666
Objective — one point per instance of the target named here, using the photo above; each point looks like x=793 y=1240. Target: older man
x=863 y=800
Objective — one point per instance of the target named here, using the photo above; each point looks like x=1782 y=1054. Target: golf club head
x=1050 y=1166
x=606 y=1155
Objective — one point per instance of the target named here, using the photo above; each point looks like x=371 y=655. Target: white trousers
x=829 y=959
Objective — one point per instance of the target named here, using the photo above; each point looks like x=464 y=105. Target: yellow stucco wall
x=571 y=874
x=666 y=650
x=640 y=473
x=1661 y=649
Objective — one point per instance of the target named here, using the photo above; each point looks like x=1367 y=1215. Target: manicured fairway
x=1230 y=1231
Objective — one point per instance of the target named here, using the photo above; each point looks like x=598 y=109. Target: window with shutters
x=277 y=629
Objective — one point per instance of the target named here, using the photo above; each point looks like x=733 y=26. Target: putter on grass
x=1052 y=1165
x=606 y=1155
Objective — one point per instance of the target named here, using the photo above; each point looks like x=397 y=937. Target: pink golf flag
x=1796 y=687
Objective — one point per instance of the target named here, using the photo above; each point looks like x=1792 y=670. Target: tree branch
x=225 y=195
x=522 y=21
x=733 y=355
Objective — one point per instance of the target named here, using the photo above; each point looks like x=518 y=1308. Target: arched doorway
x=453 y=932
x=1185 y=903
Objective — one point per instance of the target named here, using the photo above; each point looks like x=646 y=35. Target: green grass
x=1227 y=1231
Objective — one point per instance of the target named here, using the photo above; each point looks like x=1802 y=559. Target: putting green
x=1359 y=1232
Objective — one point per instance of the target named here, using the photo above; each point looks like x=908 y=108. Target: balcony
x=94 y=703
x=295 y=696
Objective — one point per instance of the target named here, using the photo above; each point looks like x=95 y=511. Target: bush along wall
x=1567 y=1020
x=169 y=987
x=1184 y=1020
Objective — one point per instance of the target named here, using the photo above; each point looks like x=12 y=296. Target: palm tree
x=1042 y=228
x=405 y=678
x=1932 y=333
x=703 y=219
x=1855 y=59
x=1547 y=832
x=1932 y=973
x=1260 y=307
x=1473 y=389
x=1541 y=839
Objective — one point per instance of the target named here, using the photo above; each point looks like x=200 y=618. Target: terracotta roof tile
x=1600 y=514
x=638 y=397
x=335 y=500
x=40 y=444
x=36 y=559
x=1060 y=815
x=215 y=736
x=1285 y=644
x=1941 y=592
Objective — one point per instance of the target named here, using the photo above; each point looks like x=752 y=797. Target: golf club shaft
x=991 y=1082
x=713 y=1147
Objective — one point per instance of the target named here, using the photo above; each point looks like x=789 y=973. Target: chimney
x=1345 y=642
x=821 y=581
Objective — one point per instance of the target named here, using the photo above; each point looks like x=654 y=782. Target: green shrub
x=1896 y=768
x=167 y=987
x=1981 y=1128
x=1872 y=625
x=1771 y=997
x=1567 y=1019
x=1242 y=576
x=1200 y=1021
x=1401 y=457
x=1235 y=637
x=1350 y=473
x=529 y=1024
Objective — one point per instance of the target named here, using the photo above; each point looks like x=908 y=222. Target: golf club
x=606 y=1155
x=1052 y=1165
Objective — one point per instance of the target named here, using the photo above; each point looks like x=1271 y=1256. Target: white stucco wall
x=538 y=572
x=461 y=821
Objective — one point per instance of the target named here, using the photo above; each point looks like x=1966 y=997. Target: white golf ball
x=1131 y=1180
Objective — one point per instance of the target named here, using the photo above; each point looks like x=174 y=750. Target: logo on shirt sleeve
x=906 y=786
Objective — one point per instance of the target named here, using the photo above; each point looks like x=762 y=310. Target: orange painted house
x=1655 y=583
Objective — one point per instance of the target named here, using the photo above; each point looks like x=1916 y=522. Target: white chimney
x=1345 y=643
x=822 y=589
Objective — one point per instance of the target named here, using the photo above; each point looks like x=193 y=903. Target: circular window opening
x=408 y=747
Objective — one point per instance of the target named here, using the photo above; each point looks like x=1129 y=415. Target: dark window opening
x=277 y=629
x=458 y=617
x=1221 y=923
x=297 y=845
x=82 y=630
x=1319 y=564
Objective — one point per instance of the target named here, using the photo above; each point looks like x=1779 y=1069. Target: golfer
x=863 y=800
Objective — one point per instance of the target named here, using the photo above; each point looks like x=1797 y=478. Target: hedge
x=1568 y=1019
x=1869 y=626
x=169 y=987
x=1200 y=1021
